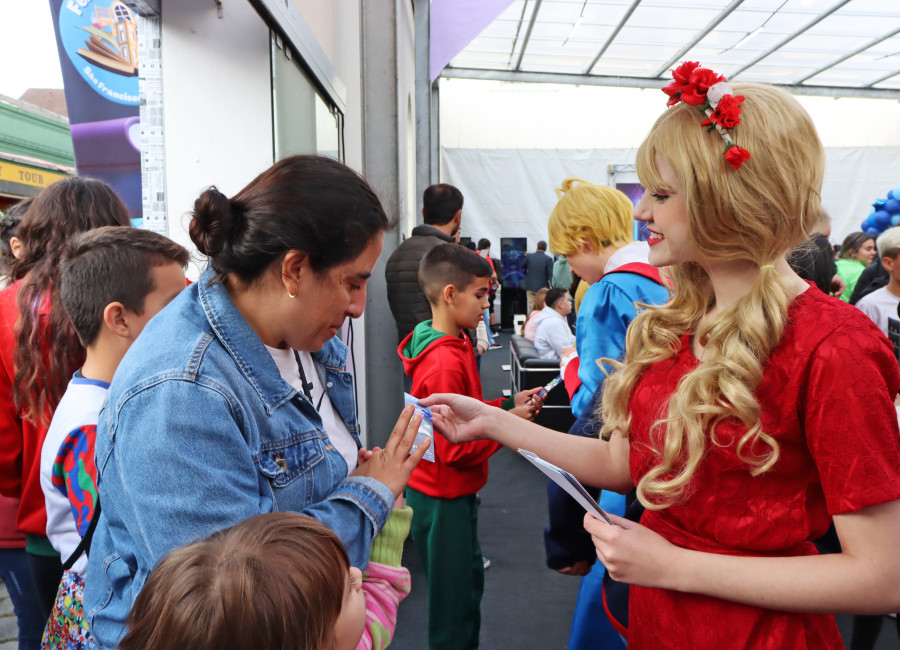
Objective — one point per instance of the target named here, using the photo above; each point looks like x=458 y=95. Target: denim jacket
x=201 y=432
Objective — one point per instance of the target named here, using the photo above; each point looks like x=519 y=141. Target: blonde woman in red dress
x=749 y=411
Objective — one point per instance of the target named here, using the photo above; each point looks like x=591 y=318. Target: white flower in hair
x=717 y=91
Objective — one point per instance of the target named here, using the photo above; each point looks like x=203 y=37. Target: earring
x=291 y=295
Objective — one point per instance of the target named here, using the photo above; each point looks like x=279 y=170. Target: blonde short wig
x=589 y=214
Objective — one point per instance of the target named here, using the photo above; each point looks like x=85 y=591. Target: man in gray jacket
x=441 y=211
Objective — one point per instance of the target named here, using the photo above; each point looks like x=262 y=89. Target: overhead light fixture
x=574 y=29
x=748 y=37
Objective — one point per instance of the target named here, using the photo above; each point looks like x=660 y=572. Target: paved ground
x=8 y=630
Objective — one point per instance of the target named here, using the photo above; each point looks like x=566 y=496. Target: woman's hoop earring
x=292 y=295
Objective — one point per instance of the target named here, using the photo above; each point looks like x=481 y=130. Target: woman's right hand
x=459 y=418
x=394 y=464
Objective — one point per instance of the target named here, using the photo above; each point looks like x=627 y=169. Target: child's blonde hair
x=275 y=580
x=757 y=213
x=589 y=214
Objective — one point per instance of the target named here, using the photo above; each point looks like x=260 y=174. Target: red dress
x=827 y=397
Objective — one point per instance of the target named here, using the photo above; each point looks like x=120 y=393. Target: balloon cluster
x=885 y=213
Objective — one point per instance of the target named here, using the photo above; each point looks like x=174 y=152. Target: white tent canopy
x=836 y=47
x=510 y=192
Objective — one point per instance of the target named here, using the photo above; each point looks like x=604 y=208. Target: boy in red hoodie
x=439 y=359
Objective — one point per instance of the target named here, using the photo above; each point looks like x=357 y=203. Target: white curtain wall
x=510 y=192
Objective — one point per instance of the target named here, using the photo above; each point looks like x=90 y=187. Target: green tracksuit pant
x=445 y=532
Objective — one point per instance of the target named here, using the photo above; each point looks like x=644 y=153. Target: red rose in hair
x=727 y=113
x=682 y=76
x=700 y=81
x=735 y=156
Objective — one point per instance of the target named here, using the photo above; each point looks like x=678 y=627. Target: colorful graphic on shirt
x=101 y=41
x=75 y=474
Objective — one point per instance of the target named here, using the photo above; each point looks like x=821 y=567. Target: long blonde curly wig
x=757 y=213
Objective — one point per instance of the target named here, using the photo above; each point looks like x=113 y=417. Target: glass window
x=304 y=121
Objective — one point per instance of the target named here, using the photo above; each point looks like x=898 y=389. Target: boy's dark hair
x=484 y=243
x=111 y=264
x=470 y=245
x=440 y=203
x=450 y=264
x=554 y=295
x=542 y=245
x=276 y=580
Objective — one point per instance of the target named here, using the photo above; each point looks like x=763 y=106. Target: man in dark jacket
x=441 y=211
x=538 y=268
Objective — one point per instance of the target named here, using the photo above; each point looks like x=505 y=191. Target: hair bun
x=215 y=221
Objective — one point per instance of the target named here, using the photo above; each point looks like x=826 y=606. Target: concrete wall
x=217 y=103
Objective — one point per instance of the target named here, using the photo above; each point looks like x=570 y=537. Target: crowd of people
x=181 y=463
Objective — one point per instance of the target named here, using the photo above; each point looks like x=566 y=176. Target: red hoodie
x=439 y=363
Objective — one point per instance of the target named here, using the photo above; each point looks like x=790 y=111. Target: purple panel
x=454 y=23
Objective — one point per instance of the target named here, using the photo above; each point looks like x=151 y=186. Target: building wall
x=217 y=103
x=27 y=130
x=35 y=150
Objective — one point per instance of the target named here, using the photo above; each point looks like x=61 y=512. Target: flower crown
x=709 y=91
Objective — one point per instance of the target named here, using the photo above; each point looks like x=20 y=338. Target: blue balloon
x=873 y=231
x=882 y=218
x=879 y=203
x=865 y=225
x=895 y=220
x=895 y=192
x=892 y=206
x=890 y=194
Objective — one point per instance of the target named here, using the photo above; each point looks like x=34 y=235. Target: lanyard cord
x=307 y=385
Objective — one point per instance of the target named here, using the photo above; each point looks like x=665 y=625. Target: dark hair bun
x=215 y=221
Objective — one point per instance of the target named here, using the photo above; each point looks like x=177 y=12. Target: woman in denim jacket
x=201 y=431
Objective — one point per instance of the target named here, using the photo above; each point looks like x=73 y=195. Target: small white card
x=426 y=427
x=568 y=483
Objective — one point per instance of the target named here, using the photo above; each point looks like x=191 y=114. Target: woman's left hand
x=632 y=553
x=393 y=464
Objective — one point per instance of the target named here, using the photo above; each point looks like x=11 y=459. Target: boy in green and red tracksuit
x=439 y=359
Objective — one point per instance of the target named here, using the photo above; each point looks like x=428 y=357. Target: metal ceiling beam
x=613 y=35
x=699 y=37
x=851 y=54
x=537 y=8
x=880 y=79
x=787 y=40
x=648 y=82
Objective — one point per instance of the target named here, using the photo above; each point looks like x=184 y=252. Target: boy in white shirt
x=113 y=281
x=882 y=303
x=553 y=333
